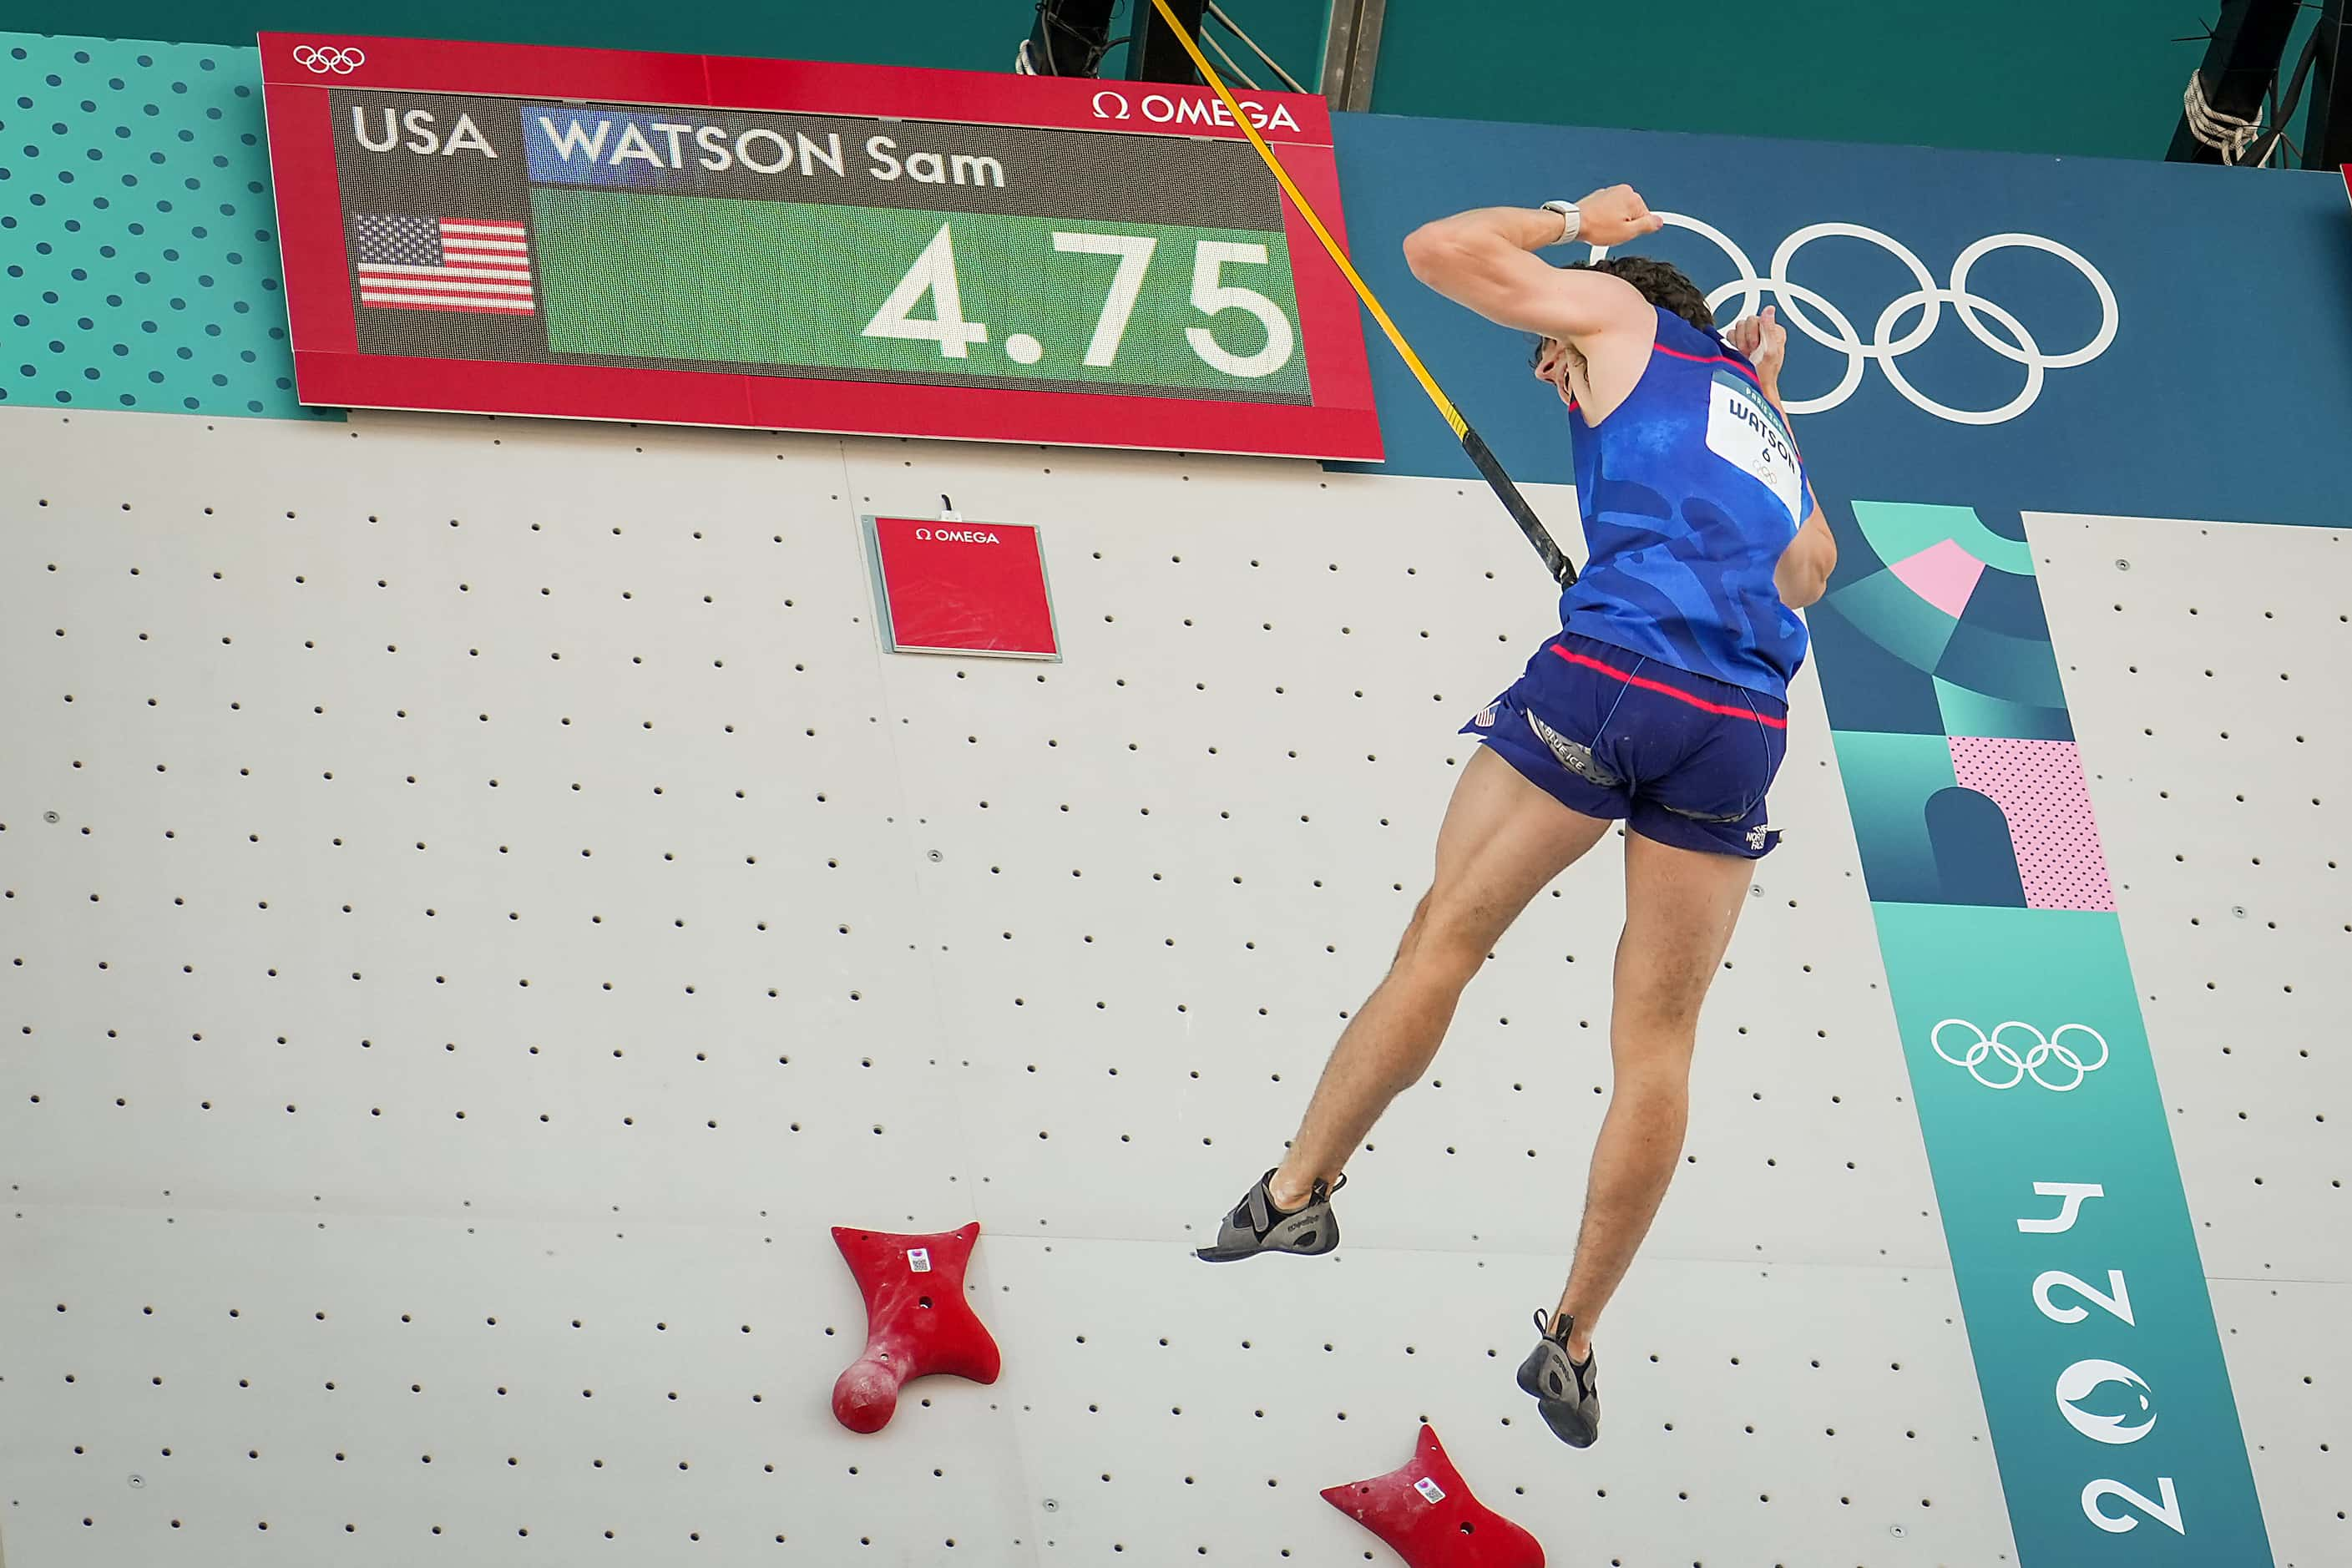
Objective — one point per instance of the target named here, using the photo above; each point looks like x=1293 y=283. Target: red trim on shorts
x=1697 y=702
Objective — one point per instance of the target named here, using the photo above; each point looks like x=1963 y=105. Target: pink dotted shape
x=918 y=1323
x=2038 y=787
x=1424 y=1511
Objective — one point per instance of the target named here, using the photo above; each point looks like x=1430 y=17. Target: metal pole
x=1154 y=53
x=2327 y=134
x=1351 y=51
x=1336 y=33
x=2239 y=67
x=1364 y=54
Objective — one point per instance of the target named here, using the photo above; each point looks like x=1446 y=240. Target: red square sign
x=962 y=587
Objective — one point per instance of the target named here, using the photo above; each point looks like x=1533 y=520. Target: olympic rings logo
x=2021 y=1067
x=1927 y=300
x=342 y=62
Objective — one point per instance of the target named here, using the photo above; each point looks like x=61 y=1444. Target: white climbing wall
x=502 y=907
x=2206 y=665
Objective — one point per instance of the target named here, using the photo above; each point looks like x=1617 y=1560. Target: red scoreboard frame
x=300 y=69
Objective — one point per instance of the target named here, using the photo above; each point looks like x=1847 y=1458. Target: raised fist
x=1613 y=214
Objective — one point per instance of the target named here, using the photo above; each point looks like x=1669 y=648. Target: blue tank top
x=1690 y=490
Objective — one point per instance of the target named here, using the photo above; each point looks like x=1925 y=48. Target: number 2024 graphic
x=2077 y=1381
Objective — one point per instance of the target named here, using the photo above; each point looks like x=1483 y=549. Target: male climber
x=1661 y=704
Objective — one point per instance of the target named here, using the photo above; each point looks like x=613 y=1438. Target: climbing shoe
x=1255 y=1226
x=1567 y=1393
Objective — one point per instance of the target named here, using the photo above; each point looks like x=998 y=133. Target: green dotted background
x=138 y=231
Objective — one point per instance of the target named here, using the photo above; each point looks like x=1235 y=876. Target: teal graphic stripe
x=2113 y=1422
x=138 y=231
x=2151 y=1403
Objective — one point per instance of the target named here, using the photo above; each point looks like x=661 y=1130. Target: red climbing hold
x=918 y=1322
x=1425 y=1512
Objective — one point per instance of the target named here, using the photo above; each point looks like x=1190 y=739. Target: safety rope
x=2225 y=133
x=1251 y=44
x=1473 y=446
x=1234 y=70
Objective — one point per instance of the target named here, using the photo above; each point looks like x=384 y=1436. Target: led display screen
x=970 y=256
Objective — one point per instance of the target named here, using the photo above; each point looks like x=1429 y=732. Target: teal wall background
x=963 y=35
x=2098 y=77
x=2089 y=76
x=138 y=246
x=954 y=35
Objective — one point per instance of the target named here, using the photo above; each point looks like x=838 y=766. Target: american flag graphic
x=478 y=265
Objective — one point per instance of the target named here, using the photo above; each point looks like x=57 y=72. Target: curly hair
x=1662 y=284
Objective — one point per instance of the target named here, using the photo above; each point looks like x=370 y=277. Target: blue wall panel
x=2228 y=376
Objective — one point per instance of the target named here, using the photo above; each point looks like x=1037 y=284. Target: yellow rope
x=1363 y=291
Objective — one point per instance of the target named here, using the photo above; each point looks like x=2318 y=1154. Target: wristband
x=1571 y=221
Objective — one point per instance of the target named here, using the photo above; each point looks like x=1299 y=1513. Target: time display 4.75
x=1085 y=277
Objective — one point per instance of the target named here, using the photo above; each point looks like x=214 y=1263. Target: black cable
x=2260 y=150
x=1050 y=21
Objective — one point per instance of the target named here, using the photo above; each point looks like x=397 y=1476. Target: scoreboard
x=701 y=240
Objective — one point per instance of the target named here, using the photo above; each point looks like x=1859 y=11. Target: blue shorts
x=1680 y=758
